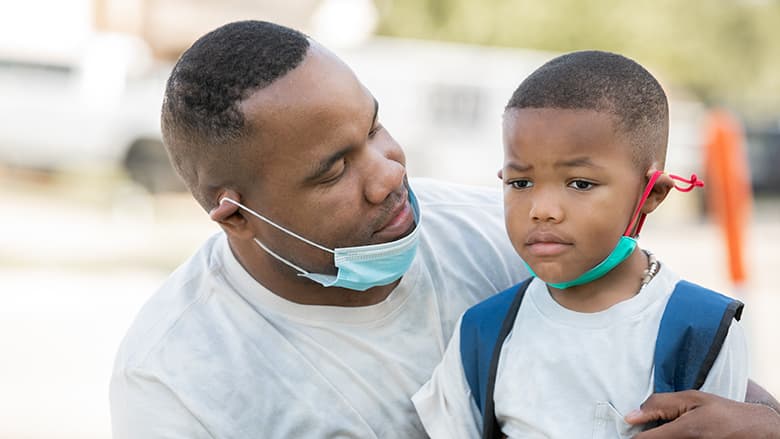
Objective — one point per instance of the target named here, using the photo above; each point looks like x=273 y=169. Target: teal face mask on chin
x=622 y=250
x=627 y=243
x=362 y=267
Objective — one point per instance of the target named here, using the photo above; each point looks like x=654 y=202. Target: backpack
x=686 y=346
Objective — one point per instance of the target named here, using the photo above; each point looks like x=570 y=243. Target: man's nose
x=385 y=173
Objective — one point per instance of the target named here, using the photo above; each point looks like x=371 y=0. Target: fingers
x=664 y=407
x=671 y=430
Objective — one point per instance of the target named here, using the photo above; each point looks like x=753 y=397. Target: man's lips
x=400 y=221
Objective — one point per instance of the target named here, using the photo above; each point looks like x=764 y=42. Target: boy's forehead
x=563 y=132
x=572 y=115
x=557 y=122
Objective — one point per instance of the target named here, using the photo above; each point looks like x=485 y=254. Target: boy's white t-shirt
x=214 y=354
x=565 y=374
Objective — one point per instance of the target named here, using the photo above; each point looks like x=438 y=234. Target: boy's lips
x=542 y=244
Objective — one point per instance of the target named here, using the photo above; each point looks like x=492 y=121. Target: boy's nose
x=546 y=209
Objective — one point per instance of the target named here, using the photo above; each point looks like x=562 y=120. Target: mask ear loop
x=637 y=213
x=271 y=223
x=692 y=183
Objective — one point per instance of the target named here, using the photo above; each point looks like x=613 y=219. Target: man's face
x=322 y=165
x=570 y=187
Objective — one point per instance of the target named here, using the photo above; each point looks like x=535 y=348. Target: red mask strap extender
x=692 y=182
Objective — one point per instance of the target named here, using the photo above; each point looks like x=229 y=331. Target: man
x=335 y=285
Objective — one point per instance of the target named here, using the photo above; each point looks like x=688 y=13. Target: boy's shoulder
x=693 y=328
x=481 y=327
x=495 y=307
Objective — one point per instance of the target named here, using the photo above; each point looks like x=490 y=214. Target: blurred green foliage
x=725 y=52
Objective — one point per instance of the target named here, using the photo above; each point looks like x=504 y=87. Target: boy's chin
x=553 y=278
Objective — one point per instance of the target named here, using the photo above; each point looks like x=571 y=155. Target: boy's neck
x=622 y=283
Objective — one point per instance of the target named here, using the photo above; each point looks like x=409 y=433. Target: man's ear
x=230 y=217
x=500 y=174
x=660 y=190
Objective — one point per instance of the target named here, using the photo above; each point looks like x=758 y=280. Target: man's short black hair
x=604 y=82
x=201 y=119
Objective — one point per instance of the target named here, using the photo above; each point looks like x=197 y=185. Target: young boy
x=570 y=352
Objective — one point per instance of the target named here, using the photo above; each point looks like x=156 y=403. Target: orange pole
x=728 y=189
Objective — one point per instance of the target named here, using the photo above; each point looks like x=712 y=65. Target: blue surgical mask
x=627 y=243
x=358 y=268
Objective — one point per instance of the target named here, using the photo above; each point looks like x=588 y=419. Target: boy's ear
x=660 y=190
x=230 y=217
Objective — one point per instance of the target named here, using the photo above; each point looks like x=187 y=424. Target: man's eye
x=374 y=130
x=521 y=184
x=335 y=174
x=581 y=185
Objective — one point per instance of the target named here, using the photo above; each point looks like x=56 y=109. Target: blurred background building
x=93 y=218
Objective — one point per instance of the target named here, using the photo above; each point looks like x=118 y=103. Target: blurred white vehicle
x=96 y=105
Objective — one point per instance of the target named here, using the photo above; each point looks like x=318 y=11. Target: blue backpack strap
x=483 y=329
x=692 y=331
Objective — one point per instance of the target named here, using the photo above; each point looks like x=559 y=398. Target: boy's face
x=570 y=187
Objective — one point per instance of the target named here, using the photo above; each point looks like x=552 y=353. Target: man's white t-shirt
x=214 y=354
x=565 y=374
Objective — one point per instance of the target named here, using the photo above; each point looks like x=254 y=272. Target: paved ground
x=78 y=257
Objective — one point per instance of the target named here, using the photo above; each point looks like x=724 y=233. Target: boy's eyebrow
x=518 y=167
x=576 y=163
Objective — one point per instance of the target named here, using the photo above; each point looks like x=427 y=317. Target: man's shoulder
x=178 y=298
x=464 y=239
x=456 y=210
x=442 y=193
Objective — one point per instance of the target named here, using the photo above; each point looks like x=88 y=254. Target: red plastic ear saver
x=692 y=183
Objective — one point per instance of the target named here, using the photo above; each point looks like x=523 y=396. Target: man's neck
x=622 y=283
x=285 y=283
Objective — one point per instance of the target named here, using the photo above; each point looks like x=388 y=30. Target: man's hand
x=695 y=414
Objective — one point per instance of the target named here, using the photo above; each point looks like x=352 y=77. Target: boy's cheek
x=517 y=235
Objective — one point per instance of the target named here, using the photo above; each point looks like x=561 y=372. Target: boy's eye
x=581 y=185
x=520 y=184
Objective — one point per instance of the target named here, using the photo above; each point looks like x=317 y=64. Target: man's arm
x=695 y=414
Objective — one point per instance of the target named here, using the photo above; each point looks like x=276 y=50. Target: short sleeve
x=143 y=407
x=444 y=403
x=729 y=374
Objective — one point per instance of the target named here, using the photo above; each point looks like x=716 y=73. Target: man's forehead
x=305 y=117
x=322 y=82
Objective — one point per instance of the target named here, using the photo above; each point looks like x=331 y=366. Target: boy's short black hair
x=201 y=119
x=604 y=82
